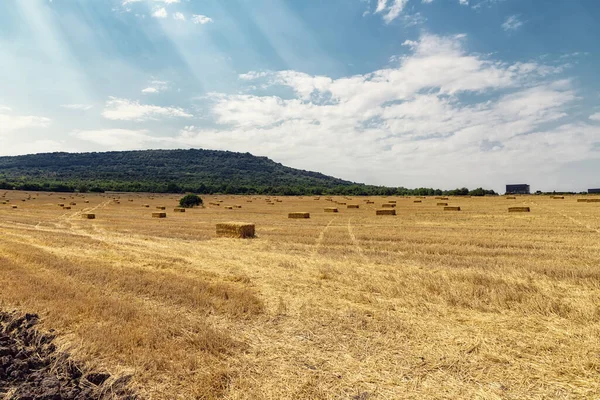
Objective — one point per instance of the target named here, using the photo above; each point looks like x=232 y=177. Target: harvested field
x=480 y=303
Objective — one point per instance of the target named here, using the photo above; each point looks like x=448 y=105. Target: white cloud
x=201 y=19
x=512 y=23
x=10 y=122
x=463 y=2
x=130 y=110
x=160 y=13
x=426 y=1
x=179 y=16
x=156 y=87
x=390 y=11
x=595 y=117
x=79 y=107
x=401 y=118
x=381 y=5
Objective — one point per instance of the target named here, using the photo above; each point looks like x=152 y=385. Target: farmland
x=427 y=303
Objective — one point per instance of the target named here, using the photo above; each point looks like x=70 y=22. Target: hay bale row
x=385 y=211
x=593 y=201
x=299 y=215
x=235 y=230
x=519 y=209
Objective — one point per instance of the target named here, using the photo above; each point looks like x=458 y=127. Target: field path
x=322 y=235
x=355 y=243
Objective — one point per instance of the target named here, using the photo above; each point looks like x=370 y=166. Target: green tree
x=190 y=200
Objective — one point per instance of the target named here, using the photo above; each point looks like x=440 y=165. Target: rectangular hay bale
x=235 y=230
x=353 y=206
x=159 y=215
x=179 y=209
x=385 y=211
x=331 y=209
x=451 y=208
x=388 y=205
x=519 y=209
x=88 y=216
x=442 y=204
x=298 y=215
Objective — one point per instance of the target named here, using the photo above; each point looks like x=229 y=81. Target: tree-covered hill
x=204 y=171
x=178 y=171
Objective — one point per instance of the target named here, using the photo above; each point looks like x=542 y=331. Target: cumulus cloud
x=402 y=118
x=201 y=19
x=391 y=10
x=160 y=12
x=595 y=117
x=512 y=23
x=156 y=87
x=179 y=16
x=131 y=110
x=9 y=122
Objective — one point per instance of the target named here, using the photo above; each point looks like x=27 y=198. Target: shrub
x=190 y=200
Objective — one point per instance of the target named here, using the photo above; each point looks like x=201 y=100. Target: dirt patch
x=31 y=368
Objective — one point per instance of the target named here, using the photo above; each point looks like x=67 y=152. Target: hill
x=179 y=171
x=203 y=171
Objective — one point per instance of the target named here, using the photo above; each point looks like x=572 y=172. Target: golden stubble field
x=427 y=304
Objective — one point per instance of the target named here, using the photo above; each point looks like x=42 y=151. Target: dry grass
x=481 y=304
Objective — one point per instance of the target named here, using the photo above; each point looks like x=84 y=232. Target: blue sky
x=441 y=93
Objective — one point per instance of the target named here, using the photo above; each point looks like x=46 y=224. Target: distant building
x=517 y=189
x=594 y=190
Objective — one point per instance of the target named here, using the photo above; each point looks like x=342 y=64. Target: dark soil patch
x=31 y=368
